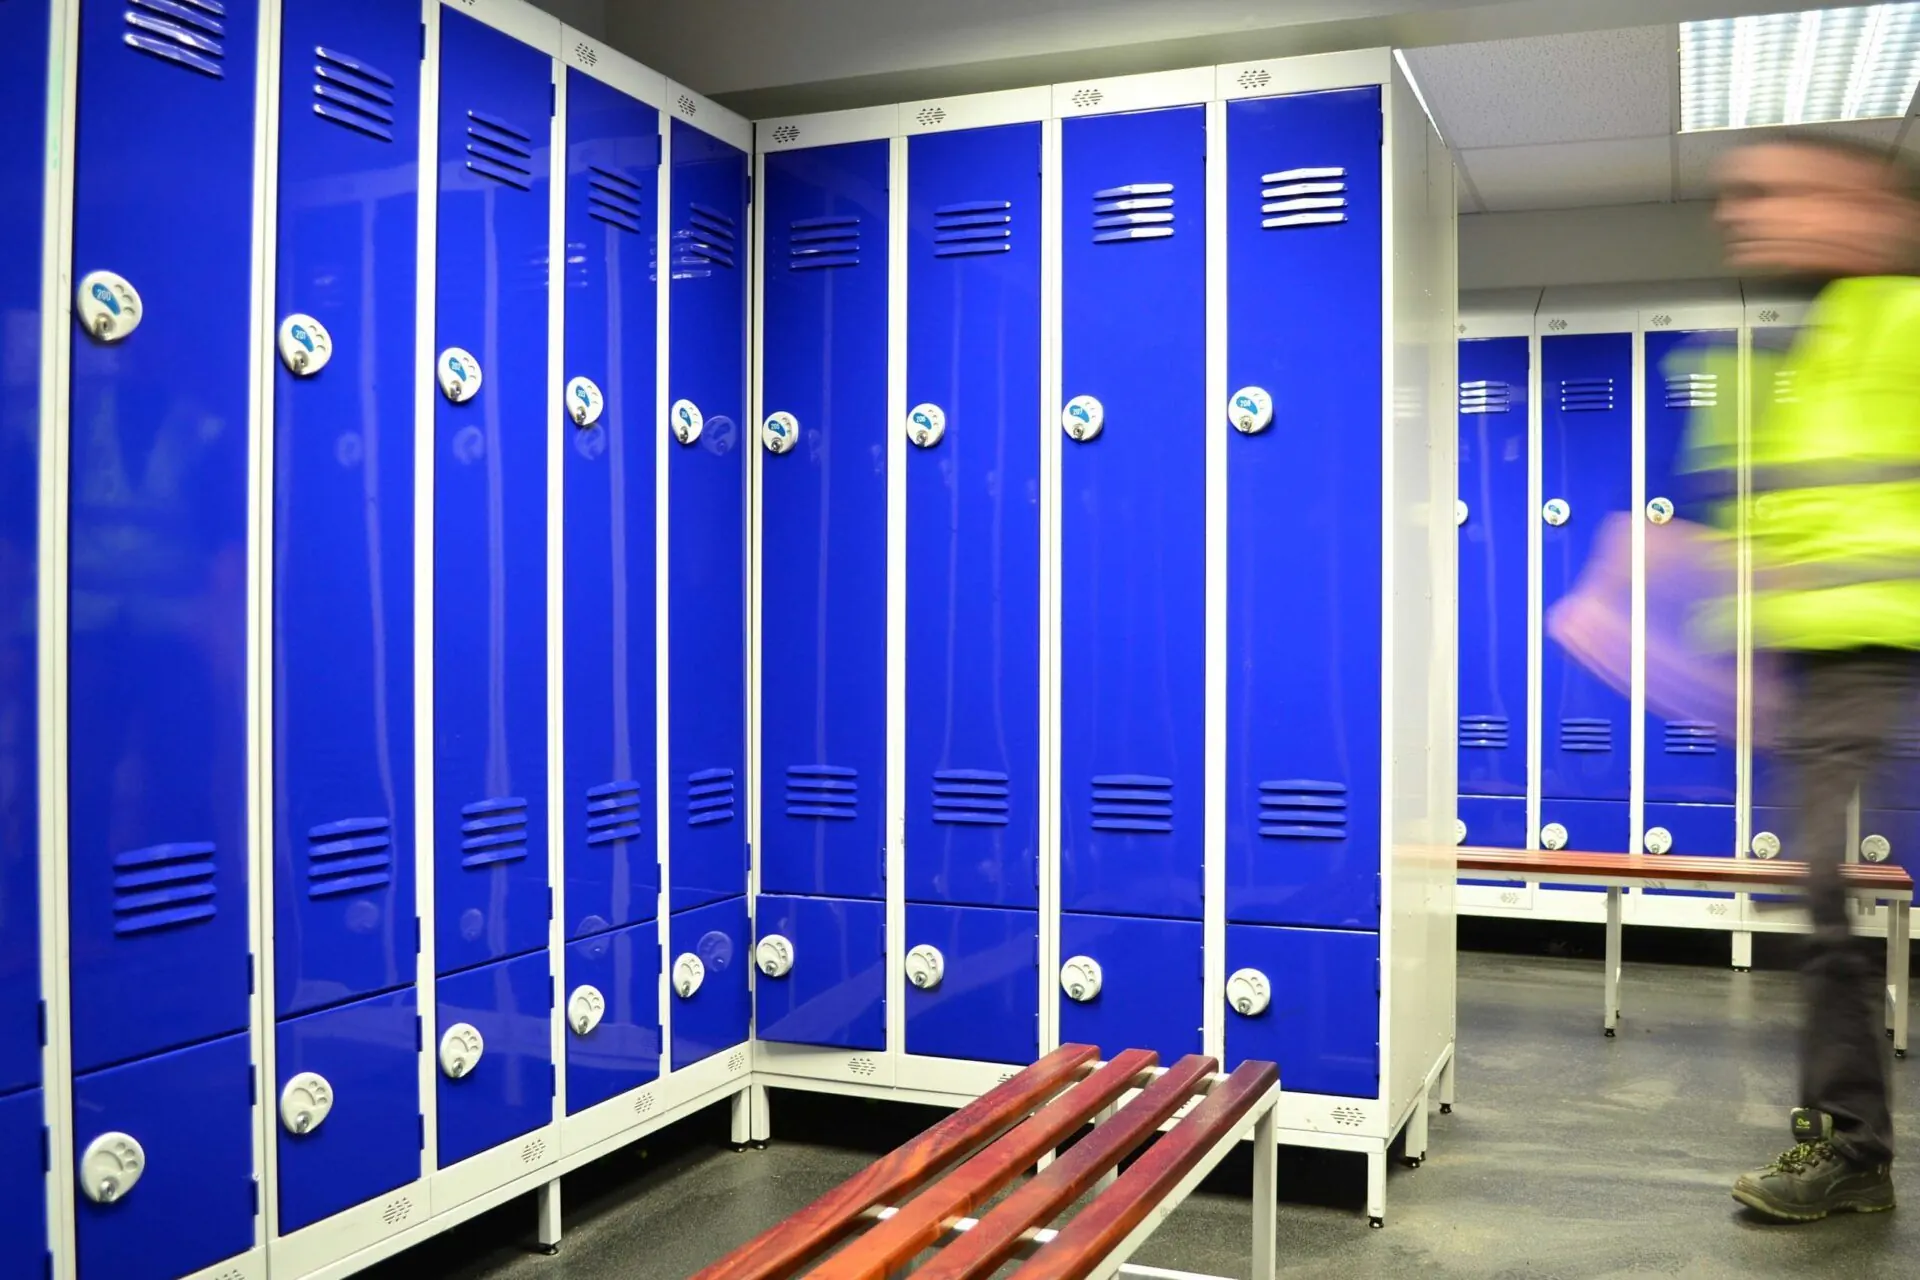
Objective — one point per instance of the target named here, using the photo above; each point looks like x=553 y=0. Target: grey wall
x=589 y=16
x=1620 y=245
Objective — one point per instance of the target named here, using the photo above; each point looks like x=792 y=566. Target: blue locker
x=706 y=505
x=836 y=992
x=1133 y=515
x=490 y=508
x=1586 y=462
x=157 y=595
x=1493 y=823
x=343 y=821
x=1697 y=831
x=1323 y=1023
x=1151 y=988
x=973 y=518
x=368 y=1052
x=1770 y=784
x=613 y=175
x=1900 y=828
x=716 y=1015
x=824 y=533
x=1593 y=826
x=191 y=1112
x=622 y=1051
x=1303 y=515
x=987 y=1005
x=510 y=1090
x=1493 y=567
x=23 y=1184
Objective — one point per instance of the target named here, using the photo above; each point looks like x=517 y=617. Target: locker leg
x=1415 y=1149
x=547 y=1204
x=1377 y=1186
x=1612 y=1011
x=1899 y=959
x=1446 y=1081
x=760 y=1116
x=1266 y=1180
x=742 y=1118
x=1112 y=1175
x=1742 y=950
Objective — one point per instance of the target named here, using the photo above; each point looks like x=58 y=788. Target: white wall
x=1619 y=245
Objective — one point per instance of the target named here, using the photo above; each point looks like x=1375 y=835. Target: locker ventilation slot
x=613 y=199
x=1783 y=386
x=1132 y=802
x=349 y=856
x=1586 y=395
x=1303 y=810
x=1693 y=390
x=1485 y=397
x=493 y=831
x=709 y=797
x=161 y=886
x=187 y=32
x=1485 y=733
x=970 y=797
x=1308 y=197
x=613 y=812
x=710 y=236
x=1691 y=738
x=350 y=92
x=1581 y=733
x=972 y=227
x=822 y=791
x=816 y=243
x=497 y=150
x=1137 y=211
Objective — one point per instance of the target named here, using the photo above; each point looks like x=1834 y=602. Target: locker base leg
x=742 y=1118
x=1446 y=1082
x=1377 y=1187
x=1415 y=1148
x=759 y=1117
x=547 y=1205
x=1742 y=951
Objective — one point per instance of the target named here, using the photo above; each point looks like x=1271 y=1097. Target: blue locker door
x=343 y=504
x=707 y=523
x=368 y=1052
x=1303 y=513
x=23 y=1184
x=1494 y=823
x=490 y=508
x=973 y=517
x=1586 y=462
x=712 y=1016
x=986 y=1006
x=510 y=1090
x=612 y=324
x=191 y=1111
x=1133 y=514
x=823 y=580
x=1322 y=1024
x=622 y=1050
x=1151 y=979
x=157 y=595
x=835 y=993
x=1493 y=567
x=1696 y=831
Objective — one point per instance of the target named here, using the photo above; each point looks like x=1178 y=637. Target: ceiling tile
x=1566 y=88
x=1572 y=175
x=1700 y=151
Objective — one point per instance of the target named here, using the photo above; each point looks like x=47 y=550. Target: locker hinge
x=550 y=993
x=46 y=1149
x=49 y=1264
x=419 y=1034
x=549 y=905
x=421 y=1122
x=659 y=149
x=43 y=1024
x=254 y=1186
x=553 y=100
x=749 y=190
x=553 y=1081
x=423 y=42
x=249 y=973
x=416 y=937
x=253 y=1086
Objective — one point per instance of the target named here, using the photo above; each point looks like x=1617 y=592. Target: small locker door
x=823 y=972
x=612 y=1012
x=1303 y=509
x=1689 y=830
x=710 y=1006
x=157 y=590
x=1308 y=999
x=490 y=508
x=1494 y=518
x=973 y=983
x=608 y=460
x=823 y=576
x=1131 y=983
x=706 y=521
x=973 y=516
x=1133 y=511
x=498 y=1084
x=23 y=1184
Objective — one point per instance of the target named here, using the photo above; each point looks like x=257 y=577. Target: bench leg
x=1112 y=1175
x=1612 y=1011
x=1266 y=1181
x=547 y=1205
x=1415 y=1148
x=1377 y=1187
x=1446 y=1081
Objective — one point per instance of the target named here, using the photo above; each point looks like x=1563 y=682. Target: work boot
x=1814 y=1179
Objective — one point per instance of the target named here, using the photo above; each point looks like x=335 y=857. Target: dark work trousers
x=1844 y=708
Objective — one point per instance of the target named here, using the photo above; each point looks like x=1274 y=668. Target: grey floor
x=1567 y=1156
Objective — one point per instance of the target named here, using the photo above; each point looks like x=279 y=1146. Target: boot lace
x=1803 y=1157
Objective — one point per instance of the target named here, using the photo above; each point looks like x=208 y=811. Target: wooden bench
x=901 y=1205
x=1615 y=872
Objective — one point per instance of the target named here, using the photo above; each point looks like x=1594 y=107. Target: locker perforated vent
x=1693 y=390
x=1586 y=395
x=231 y=1273
x=816 y=243
x=585 y=54
x=972 y=227
x=493 y=831
x=1349 y=1117
x=929 y=116
x=688 y=107
x=709 y=797
x=642 y=1103
x=1662 y=320
x=1586 y=734
x=970 y=797
x=1557 y=326
x=822 y=791
x=1484 y=733
x=710 y=236
x=1485 y=397
x=189 y=33
x=1084 y=98
x=1691 y=738
x=1301 y=809
x=785 y=133
x=737 y=1060
x=352 y=93
x=498 y=150
x=1254 y=78
x=161 y=886
x=349 y=856
x=1306 y=197
x=1770 y=316
x=533 y=1150
x=397 y=1211
x=613 y=812
x=1783 y=386
x=1133 y=802
x=862 y=1066
x=613 y=198
x=1135 y=211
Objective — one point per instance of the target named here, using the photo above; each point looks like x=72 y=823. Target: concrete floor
x=1568 y=1157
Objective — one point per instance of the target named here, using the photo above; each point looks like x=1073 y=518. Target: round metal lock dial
x=459 y=375
x=1556 y=512
x=585 y=1007
x=688 y=973
x=1080 y=978
x=686 y=421
x=774 y=955
x=1083 y=418
x=1876 y=849
x=926 y=967
x=305 y=345
x=926 y=424
x=110 y=1166
x=305 y=1102
x=780 y=432
x=1459 y=831
x=1251 y=410
x=1658 y=840
x=1248 y=992
x=1766 y=845
x=1553 y=836
x=585 y=404
x=108 y=306
x=1660 y=510
x=1459 y=512
x=461 y=1049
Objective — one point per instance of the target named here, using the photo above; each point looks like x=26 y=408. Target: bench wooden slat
x=782 y=1250
x=1648 y=866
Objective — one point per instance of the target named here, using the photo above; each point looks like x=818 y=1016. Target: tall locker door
x=1133 y=512
x=343 y=447
x=823 y=574
x=490 y=512
x=612 y=327
x=973 y=516
x=1303 y=509
x=706 y=521
x=1769 y=384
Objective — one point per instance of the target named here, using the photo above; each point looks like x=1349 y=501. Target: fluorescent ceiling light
x=1799 y=68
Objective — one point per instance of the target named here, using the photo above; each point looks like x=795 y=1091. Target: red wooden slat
x=1642 y=866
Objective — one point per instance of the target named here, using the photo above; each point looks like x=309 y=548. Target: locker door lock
x=459 y=375
x=305 y=1102
x=1248 y=992
x=108 y=306
x=305 y=345
x=686 y=420
x=1251 y=410
x=774 y=955
x=926 y=424
x=1553 y=836
x=1556 y=512
x=584 y=402
x=1459 y=512
x=1083 y=418
x=1876 y=848
x=1459 y=831
x=1658 y=840
x=585 y=1007
x=926 y=967
x=461 y=1049
x=1766 y=845
x=688 y=974
x=1660 y=510
x=110 y=1166
x=780 y=432
x=1080 y=978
